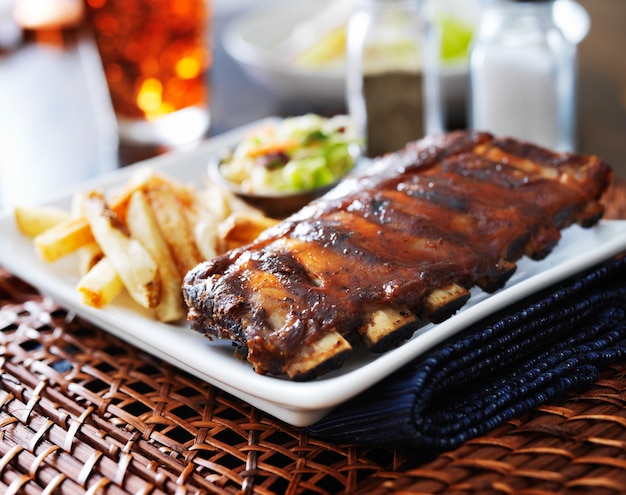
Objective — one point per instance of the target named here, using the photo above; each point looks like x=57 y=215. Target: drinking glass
x=156 y=56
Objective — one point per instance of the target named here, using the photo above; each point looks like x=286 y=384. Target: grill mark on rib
x=453 y=210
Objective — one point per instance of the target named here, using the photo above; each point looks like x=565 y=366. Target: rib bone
x=384 y=328
x=401 y=244
x=324 y=355
x=443 y=303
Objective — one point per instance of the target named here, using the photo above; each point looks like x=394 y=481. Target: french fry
x=173 y=223
x=206 y=237
x=144 y=238
x=90 y=254
x=210 y=207
x=143 y=227
x=34 y=220
x=68 y=236
x=100 y=285
x=132 y=262
x=216 y=202
x=146 y=178
x=63 y=239
x=241 y=228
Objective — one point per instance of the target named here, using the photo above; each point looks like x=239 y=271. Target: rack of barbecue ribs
x=394 y=247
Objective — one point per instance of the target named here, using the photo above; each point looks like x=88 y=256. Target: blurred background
x=57 y=126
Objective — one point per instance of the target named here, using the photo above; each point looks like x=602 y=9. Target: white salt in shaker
x=523 y=75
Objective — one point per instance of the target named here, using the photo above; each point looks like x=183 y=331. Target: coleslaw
x=296 y=154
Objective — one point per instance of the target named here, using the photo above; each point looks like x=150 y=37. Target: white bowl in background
x=256 y=41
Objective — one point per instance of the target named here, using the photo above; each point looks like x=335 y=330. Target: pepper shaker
x=392 y=74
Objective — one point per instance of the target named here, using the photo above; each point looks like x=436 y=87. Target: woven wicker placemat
x=84 y=412
x=576 y=445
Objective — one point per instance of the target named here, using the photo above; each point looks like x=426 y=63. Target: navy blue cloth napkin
x=530 y=354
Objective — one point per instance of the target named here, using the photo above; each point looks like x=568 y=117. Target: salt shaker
x=392 y=74
x=522 y=74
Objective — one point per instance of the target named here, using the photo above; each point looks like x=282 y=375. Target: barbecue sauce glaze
x=449 y=209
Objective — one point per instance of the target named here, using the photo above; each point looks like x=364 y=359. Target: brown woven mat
x=83 y=412
x=576 y=445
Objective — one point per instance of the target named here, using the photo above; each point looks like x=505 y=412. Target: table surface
x=81 y=410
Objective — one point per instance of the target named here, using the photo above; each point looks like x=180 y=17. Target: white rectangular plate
x=299 y=404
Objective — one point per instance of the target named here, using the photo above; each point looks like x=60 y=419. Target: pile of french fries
x=143 y=237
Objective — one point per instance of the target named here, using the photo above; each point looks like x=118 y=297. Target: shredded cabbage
x=296 y=154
